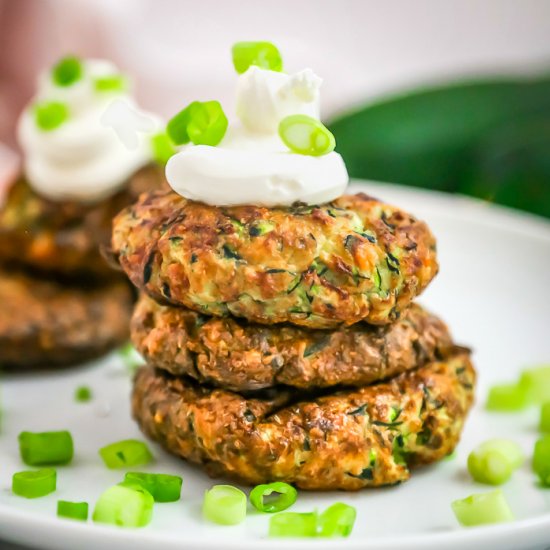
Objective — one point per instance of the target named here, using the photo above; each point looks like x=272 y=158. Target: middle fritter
x=353 y=259
x=242 y=356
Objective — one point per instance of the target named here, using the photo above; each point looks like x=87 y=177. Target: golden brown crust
x=241 y=356
x=322 y=266
x=44 y=323
x=63 y=236
x=347 y=440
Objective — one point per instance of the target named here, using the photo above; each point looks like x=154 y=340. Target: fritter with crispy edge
x=64 y=236
x=367 y=437
x=350 y=260
x=242 y=356
x=45 y=323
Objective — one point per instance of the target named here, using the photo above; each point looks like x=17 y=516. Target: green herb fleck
x=366 y=474
x=399 y=453
x=371 y=238
x=387 y=424
x=50 y=115
x=111 y=83
x=83 y=394
x=317 y=346
x=360 y=411
x=230 y=254
x=261 y=228
x=67 y=71
x=162 y=147
x=395 y=413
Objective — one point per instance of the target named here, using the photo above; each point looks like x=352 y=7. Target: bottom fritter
x=44 y=323
x=367 y=437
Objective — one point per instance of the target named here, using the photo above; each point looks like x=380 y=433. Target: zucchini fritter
x=348 y=440
x=45 y=323
x=64 y=237
x=241 y=356
x=321 y=266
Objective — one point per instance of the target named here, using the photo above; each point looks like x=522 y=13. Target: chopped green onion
x=50 y=115
x=72 y=510
x=541 y=460
x=124 y=505
x=83 y=394
x=293 y=524
x=203 y=123
x=67 y=71
x=162 y=147
x=208 y=124
x=482 y=509
x=125 y=454
x=337 y=520
x=506 y=397
x=163 y=487
x=544 y=424
x=286 y=497
x=34 y=484
x=305 y=135
x=177 y=125
x=536 y=384
x=261 y=54
x=224 y=504
x=46 y=448
x=111 y=83
x=494 y=461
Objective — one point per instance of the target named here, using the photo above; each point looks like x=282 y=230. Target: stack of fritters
x=60 y=302
x=282 y=343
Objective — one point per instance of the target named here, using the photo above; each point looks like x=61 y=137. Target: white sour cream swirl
x=252 y=165
x=83 y=159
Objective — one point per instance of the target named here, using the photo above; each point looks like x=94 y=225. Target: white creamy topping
x=264 y=98
x=83 y=159
x=252 y=165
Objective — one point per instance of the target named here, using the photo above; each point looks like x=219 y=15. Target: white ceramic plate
x=494 y=292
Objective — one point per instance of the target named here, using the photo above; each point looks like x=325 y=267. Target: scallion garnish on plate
x=72 y=510
x=83 y=394
x=126 y=453
x=34 y=484
x=273 y=497
x=124 y=505
x=225 y=505
x=484 y=508
x=494 y=461
x=541 y=460
x=162 y=487
x=46 y=448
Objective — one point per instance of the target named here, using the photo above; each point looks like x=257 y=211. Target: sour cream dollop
x=83 y=159
x=252 y=165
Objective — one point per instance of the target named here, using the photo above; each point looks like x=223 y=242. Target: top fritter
x=349 y=260
x=257 y=226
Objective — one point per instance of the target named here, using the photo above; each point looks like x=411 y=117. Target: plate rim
x=520 y=531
